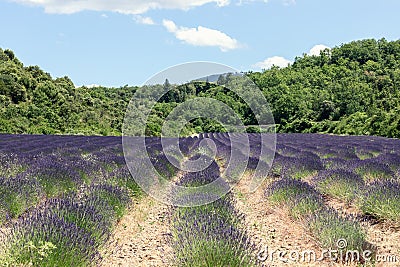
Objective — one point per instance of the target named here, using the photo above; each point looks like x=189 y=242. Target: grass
x=365 y=153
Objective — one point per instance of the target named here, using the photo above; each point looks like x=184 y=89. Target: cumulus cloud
x=127 y=6
x=144 y=20
x=170 y=25
x=222 y=3
x=315 y=51
x=289 y=2
x=273 y=61
x=202 y=36
x=120 y=6
x=242 y=2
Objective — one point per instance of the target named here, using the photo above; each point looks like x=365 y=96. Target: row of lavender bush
x=212 y=234
x=360 y=171
x=60 y=198
x=306 y=205
x=75 y=174
x=363 y=171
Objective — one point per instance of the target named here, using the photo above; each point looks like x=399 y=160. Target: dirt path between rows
x=272 y=227
x=380 y=234
x=141 y=237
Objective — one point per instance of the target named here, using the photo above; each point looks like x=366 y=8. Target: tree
x=10 y=54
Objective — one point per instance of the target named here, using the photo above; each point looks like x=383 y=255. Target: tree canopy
x=351 y=89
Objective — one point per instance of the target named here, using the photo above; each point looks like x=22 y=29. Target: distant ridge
x=214 y=78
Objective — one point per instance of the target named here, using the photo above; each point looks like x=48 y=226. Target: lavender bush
x=299 y=197
x=342 y=184
x=212 y=234
x=285 y=190
x=382 y=200
x=108 y=196
x=18 y=194
x=328 y=227
x=372 y=170
x=42 y=238
x=55 y=176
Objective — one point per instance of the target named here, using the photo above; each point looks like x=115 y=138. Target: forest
x=351 y=89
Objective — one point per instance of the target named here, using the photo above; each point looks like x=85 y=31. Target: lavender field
x=62 y=197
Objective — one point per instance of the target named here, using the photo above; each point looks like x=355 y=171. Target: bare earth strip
x=140 y=238
x=382 y=235
x=273 y=227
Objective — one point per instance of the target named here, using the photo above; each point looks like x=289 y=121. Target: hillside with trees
x=351 y=89
x=31 y=101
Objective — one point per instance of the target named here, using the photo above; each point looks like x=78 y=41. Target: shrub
x=341 y=184
x=382 y=200
x=329 y=227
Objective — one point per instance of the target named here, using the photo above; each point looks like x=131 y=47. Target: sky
x=126 y=42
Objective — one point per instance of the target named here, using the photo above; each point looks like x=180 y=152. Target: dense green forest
x=352 y=89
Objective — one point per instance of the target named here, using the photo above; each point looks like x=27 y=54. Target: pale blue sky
x=120 y=42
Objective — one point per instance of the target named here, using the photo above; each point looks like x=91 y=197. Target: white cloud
x=144 y=20
x=104 y=16
x=222 y=3
x=289 y=2
x=242 y=2
x=128 y=6
x=120 y=6
x=315 y=51
x=285 y=2
x=273 y=61
x=202 y=36
x=170 y=25
x=283 y=62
